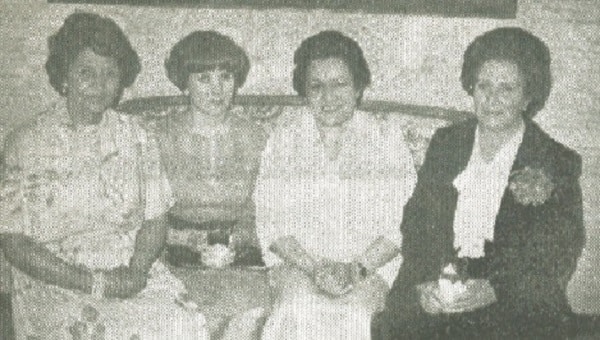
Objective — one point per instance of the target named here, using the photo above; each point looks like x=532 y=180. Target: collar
x=59 y=115
x=506 y=154
x=206 y=131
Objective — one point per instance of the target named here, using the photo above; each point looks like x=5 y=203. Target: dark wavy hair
x=330 y=44
x=102 y=35
x=203 y=51
x=516 y=45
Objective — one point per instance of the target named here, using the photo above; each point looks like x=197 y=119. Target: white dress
x=83 y=192
x=335 y=209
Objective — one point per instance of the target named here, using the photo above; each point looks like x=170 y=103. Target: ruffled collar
x=296 y=148
x=184 y=120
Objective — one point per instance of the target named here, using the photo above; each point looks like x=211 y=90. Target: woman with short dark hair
x=494 y=229
x=331 y=44
x=329 y=197
x=211 y=151
x=89 y=31
x=83 y=204
x=526 y=51
x=202 y=51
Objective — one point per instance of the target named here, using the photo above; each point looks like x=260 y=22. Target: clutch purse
x=187 y=239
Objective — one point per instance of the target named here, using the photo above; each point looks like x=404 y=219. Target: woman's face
x=211 y=92
x=330 y=91
x=92 y=86
x=499 y=95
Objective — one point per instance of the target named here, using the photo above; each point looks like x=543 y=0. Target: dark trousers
x=484 y=324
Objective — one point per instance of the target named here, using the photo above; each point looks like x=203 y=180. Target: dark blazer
x=529 y=263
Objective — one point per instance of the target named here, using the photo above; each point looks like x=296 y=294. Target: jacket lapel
x=531 y=150
x=454 y=160
x=457 y=153
x=530 y=154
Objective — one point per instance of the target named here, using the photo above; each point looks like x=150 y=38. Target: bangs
x=199 y=66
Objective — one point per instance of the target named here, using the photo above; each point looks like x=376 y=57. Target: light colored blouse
x=212 y=171
x=480 y=189
x=335 y=209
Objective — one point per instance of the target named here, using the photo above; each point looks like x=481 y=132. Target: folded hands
x=478 y=293
x=336 y=278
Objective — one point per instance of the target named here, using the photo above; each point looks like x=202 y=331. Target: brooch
x=530 y=186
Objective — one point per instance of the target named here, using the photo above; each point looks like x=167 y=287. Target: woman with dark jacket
x=497 y=206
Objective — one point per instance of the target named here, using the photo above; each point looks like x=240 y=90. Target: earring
x=64 y=89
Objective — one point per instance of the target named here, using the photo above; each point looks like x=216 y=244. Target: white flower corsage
x=218 y=256
x=530 y=186
x=451 y=284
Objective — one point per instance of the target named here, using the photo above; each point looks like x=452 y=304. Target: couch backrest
x=157 y=103
x=418 y=122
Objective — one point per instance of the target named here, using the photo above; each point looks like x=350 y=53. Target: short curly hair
x=202 y=51
x=330 y=44
x=530 y=54
x=102 y=35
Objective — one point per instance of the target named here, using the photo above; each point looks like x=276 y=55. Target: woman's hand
x=334 y=278
x=429 y=297
x=479 y=293
x=123 y=282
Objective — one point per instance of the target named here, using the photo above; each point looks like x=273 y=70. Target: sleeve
x=273 y=196
x=12 y=183
x=396 y=187
x=420 y=249
x=422 y=245
x=402 y=176
x=156 y=188
x=251 y=139
x=532 y=278
x=264 y=198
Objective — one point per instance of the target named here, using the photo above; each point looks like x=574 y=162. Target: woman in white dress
x=83 y=205
x=329 y=198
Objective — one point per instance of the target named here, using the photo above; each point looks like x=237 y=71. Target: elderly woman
x=329 y=199
x=84 y=203
x=498 y=204
x=211 y=151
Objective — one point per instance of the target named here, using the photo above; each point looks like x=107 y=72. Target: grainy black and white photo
x=286 y=169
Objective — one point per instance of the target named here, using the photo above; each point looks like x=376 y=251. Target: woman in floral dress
x=83 y=205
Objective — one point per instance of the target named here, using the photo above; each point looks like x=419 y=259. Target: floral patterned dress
x=83 y=192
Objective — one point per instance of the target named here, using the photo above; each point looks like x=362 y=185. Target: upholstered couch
x=419 y=121
x=222 y=293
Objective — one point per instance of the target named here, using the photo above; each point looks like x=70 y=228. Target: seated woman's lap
x=292 y=286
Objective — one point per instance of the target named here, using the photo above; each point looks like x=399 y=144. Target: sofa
x=222 y=293
x=419 y=121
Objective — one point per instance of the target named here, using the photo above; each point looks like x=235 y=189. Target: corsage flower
x=530 y=186
x=452 y=279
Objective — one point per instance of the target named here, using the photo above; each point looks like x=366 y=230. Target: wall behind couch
x=414 y=59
